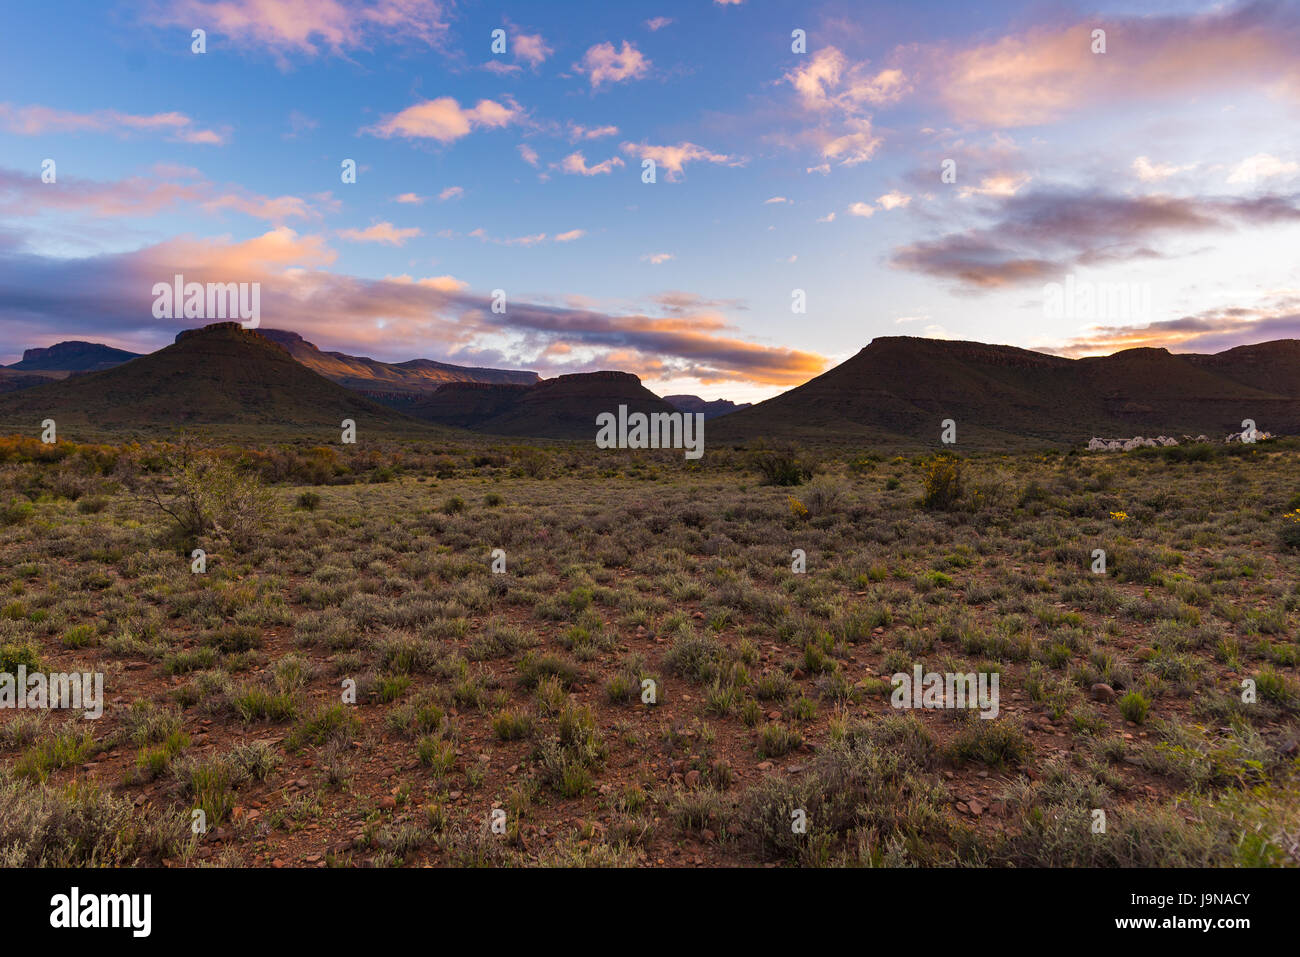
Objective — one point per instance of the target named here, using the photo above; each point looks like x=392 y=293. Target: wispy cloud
x=385 y=233
x=308 y=27
x=673 y=159
x=40 y=120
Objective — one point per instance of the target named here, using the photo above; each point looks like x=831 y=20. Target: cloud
x=674 y=158
x=775 y=200
x=528 y=153
x=575 y=163
x=829 y=82
x=444 y=120
x=1044 y=73
x=1039 y=235
x=999 y=184
x=1150 y=172
x=657 y=259
x=865 y=210
x=579 y=132
x=1261 y=166
x=1206 y=332
x=166 y=189
x=299 y=123
x=40 y=120
x=531 y=48
x=893 y=200
x=414 y=199
x=385 y=233
x=828 y=218
x=451 y=192
x=657 y=23
x=396 y=317
x=308 y=26
x=570 y=236
x=603 y=64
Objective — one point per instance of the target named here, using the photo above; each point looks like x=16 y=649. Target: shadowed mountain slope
x=220 y=374
x=898 y=389
x=564 y=407
x=372 y=376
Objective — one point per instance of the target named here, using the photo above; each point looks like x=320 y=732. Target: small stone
x=1102 y=692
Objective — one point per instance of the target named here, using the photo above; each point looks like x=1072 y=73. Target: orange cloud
x=385 y=233
x=444 y=120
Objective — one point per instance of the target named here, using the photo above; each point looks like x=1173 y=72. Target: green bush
x=1134 y=706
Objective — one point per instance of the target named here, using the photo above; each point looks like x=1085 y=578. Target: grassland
x=522 y=691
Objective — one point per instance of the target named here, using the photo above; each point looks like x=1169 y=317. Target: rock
x=388 y=802
x=1102 y=692
x=976 y=807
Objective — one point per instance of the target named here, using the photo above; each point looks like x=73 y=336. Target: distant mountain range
x=894 y=392
x=563 y=407
x=711 y=408
x=221 y=374
x=388 y=378
x=72 y=356
x=898 y=389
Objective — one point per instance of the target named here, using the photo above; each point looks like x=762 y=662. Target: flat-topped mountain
x=220 y=374
x=72 y=356
x=563 y=407
x=898 y=389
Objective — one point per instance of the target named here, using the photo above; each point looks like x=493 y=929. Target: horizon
x=820 y=172
x=955 y=342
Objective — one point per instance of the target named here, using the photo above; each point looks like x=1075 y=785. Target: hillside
x=415 y=376
x=563 y=407
x=220 y=374
x=898 y=389
x=72 y=356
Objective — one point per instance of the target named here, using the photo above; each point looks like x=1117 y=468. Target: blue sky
x=1166 y=165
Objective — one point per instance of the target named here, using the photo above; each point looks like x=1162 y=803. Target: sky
x=1071 y=178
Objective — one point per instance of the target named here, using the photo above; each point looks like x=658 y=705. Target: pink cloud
x=444 y=120
x=604 y=64
x=38 y=120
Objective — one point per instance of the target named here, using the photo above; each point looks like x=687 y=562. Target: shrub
x=207 y=495
x=780 y=467
x=1290 y=531
x=1134 y=706
x=309 y=501
x=942 y=482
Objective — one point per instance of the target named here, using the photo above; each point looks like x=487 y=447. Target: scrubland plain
x=523 y=691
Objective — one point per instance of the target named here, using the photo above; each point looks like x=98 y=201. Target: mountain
x=72 y=356
x=388 y=380
x=12 y=381
x=711 y=409
x=898 y=389
x=220 y=374
x=564 y=407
